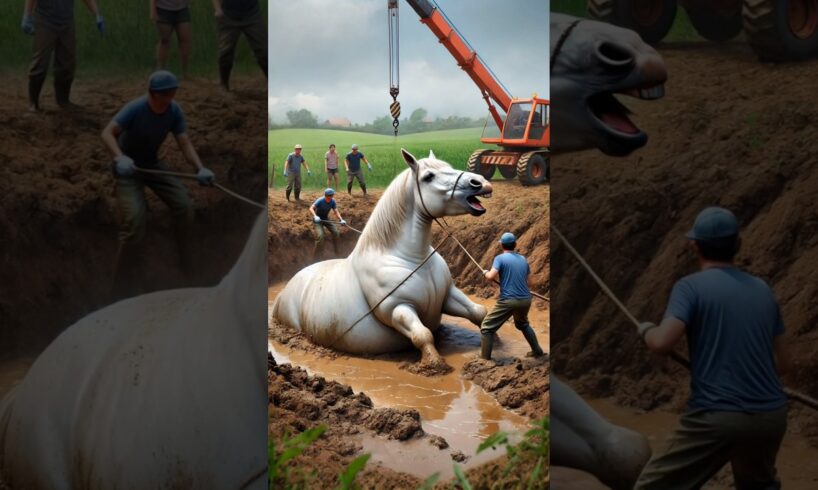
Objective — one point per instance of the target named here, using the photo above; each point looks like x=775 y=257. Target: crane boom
x=466 y=57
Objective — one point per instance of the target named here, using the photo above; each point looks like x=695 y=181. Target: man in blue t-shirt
x=320 y=215
x=737 y=411
x=134 y=137
x=515 y=298
x=352 y=165
x=292 y=170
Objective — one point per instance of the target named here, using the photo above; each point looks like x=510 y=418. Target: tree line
x=417 y=122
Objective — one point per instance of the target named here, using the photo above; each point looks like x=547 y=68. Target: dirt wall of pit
x=58 y=220
x=753 y=150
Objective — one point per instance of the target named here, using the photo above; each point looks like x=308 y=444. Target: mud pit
x=451 y=408
x=738 y=140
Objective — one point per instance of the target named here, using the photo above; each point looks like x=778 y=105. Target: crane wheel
x=782 y=30
x=651 y=19
x=533 y=168
x=474 y=165
x=716 y=20
x=508 y=171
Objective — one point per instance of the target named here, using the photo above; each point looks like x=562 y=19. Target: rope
x=193 y=176
x=679 y=358
x=342 y=224
x=561 y=41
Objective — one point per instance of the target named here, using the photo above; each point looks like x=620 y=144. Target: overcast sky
x=331 y=56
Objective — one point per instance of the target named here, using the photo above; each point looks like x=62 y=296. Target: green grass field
x=453 y=146
x=682 y=29
x=129 y=43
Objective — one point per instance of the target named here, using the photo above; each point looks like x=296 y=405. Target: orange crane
x=525 y=132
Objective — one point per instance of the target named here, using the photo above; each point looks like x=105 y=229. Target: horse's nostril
x=613 y=54
x=475 y=183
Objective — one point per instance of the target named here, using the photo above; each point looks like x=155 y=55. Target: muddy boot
x=531 y=337
x=298 y=196
x=35 y=86
x=349 y=188
x=224 y=77
x=486 y=344
x=363 y=188
x=62 y=92
x=288 y=195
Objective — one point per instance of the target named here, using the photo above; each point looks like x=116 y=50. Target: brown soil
x=519 y=384
x=58 y=220
x=739 y=140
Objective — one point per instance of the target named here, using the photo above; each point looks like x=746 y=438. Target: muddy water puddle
x=450 y=407
x=796 y=459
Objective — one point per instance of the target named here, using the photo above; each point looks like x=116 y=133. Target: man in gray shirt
x=51 y=22
x=292 y=170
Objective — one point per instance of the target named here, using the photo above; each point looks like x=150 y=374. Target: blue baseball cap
x=508 y=238
x=329 y=192
x=162 y=80
x=713 y=223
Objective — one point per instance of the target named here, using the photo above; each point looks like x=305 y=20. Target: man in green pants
x=515 y=298
x=51 y=22
x=737 y=411
x=292 y=170
x=320 y=215
x=234 y=18
x=134 y=137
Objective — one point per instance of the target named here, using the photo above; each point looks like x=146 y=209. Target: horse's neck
x=415 y=237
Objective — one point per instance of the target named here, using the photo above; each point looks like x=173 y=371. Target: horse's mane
x=397 y=201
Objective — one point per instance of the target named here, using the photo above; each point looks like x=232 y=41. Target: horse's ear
x=432 y=154
x=410 y=160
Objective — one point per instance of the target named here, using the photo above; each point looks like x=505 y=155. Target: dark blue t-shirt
x=354 y=161
x=322 y=207
x=144 y=131
x=731 y=319
x=514 y=272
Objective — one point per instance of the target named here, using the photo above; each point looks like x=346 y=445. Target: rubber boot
x=297 y=195
x=62 y=92
x=363 y=188
x=35 y=86
x=349 y=188
x=224 y=77
x=486 y=344
x=288 y=195
x=531 y=337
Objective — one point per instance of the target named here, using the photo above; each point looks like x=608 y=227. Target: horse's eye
x=428 y=177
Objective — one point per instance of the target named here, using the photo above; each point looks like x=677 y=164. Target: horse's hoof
x=434 y=367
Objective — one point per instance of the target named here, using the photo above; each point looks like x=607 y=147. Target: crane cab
x=527 y=125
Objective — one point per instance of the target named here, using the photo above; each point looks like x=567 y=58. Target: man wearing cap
x=51 y=22
x=292 y=170
x=515 y=298
x=737 y=411
x=320 y=215
x=134 y=137
x=352 y=165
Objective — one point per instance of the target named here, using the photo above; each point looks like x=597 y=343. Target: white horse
x=326 y=299
x=164 y=390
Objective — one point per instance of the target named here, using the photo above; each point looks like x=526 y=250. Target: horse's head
x=594 y=61
x=441 y=190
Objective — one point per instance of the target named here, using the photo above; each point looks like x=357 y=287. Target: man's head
x=332 y=147
x=508 y=241
x=162 y=86
x=328 y=193
x=354 y=148
x=715 y=235
x=297 y=149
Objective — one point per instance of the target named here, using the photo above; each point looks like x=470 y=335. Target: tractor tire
x=508 y=171
x=476 y=167
x=717 y=20
x=533 y=169
x=651 y=19
x=782 y=30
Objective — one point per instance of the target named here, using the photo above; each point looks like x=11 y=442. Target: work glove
x=644 y=327
x=205 y=176
x=343 y=222
x=309 y=172
x=100 y=24
x=285 y=172
x=316 y=219
x=369 y=166
x=124 y=166
x=28 y=24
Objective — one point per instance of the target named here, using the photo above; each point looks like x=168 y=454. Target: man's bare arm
x=662 y=338
x=183 y=140
x=109 y=137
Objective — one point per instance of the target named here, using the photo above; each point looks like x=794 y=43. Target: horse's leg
x=582 y=439
x=458 y=304
x=405 y=320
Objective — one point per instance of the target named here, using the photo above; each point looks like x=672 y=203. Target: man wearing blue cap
x=515 y=298
x=352 y=165
x=134 y=137
x=737 y=411
x=320 y=215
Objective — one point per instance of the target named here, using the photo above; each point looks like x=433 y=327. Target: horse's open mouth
x=475 y=206
x=614 y=117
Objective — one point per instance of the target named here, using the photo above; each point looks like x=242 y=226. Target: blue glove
x=28 y=24
x=100 y=24
x=205 y=176
x=316 y=219
x=369 y=166
x=344 y=222
x=124 y=166
x=309 y=172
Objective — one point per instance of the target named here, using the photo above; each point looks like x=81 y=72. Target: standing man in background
x=170 y=16
x=234 y=18
x=51 y=22
x=352 y=165
x=515 y=298
x=331 y=166
x=737 y=411
x=292 y=170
